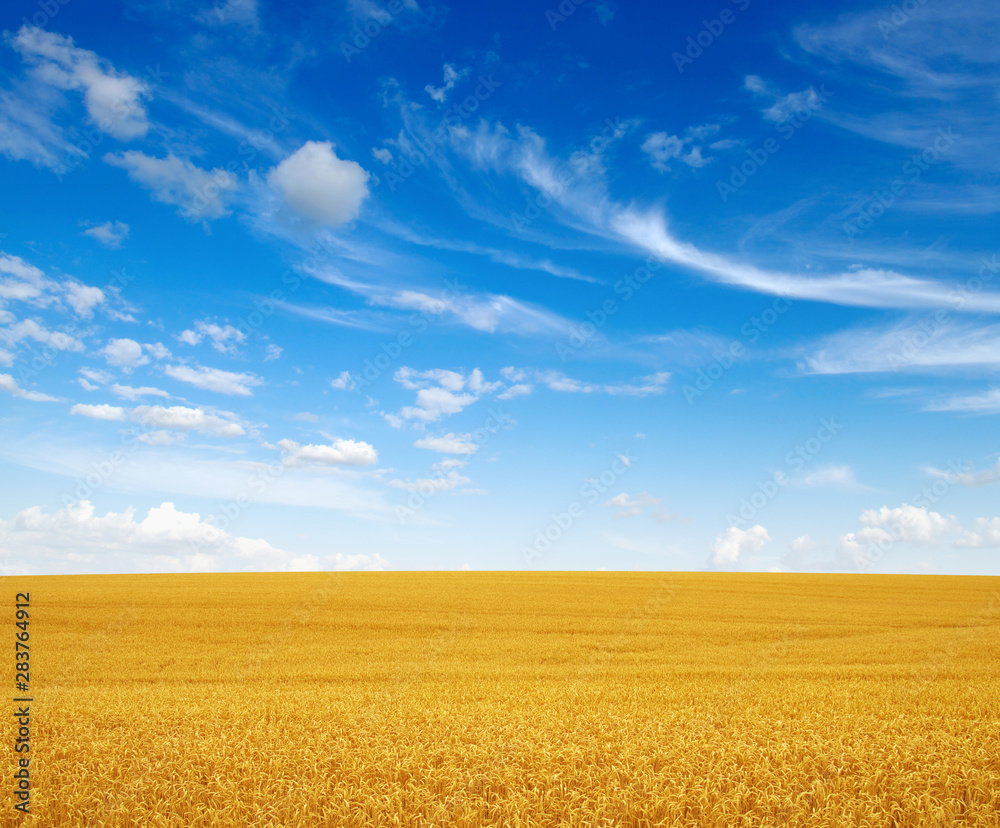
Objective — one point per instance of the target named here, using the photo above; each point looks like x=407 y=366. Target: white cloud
x=633 y=506
x=110 y=234
x=338 y=453
x=27 y=132
x=9 y=384
x=630 y=506
x=430 y=485
x=986 y=535
x=128 y=392
x=124 y=353
x=344 y=382
x=837 y=476
x=441 y=393
x=22 y=282
x=881 y=528
x=99 y=412
x=307 y=417
x=926 y=345
x=382 y=154
x=303 y=563
x=450 y=443
x=30 y=329
x=159 y=438
x=968 y=478
x=232 y=12
x=315 y=183
x=215 y=379
x=987 y=402
x=489 y=312
x=200 y=194
x=82 y=298
x=102 y=377
x=182 y=418
x=736 y=542
x=224 y=338
x=272 y=352
x=782 y=106
x=663 y=148
x=341 y=562
x=165 y=540
x=650 y=385
x=113 y=99
x=914 y=524
x=518 y=390
x=451 y=76
x=802 y=545
x=588 y=206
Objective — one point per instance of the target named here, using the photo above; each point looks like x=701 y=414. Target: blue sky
x=405 y=285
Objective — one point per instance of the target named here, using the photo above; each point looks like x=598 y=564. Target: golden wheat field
x=512 y=699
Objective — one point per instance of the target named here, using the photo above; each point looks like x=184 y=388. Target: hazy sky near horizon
x=408 y=285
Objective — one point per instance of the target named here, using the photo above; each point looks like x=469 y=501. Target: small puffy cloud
x=157 y=349
x=306 y=417
x=99 y=412
x=30 y=329
x=450 y=443
x=182 y=418
x=663 y=148
x=124 y=353
x=345 y=382
x=338 y=453
x=113 y=99
x=382 y=154
x=200 y=194
x=224 y=338
x=440 y=392
x=272 y=352
x=110 y=234
x=215 y=379
x=82 y=298
x=881 y=528
x=736 y=542
x=9 y=384
x=318 y=185
x=914 y=524
x=451 y=77
x=166 y=540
